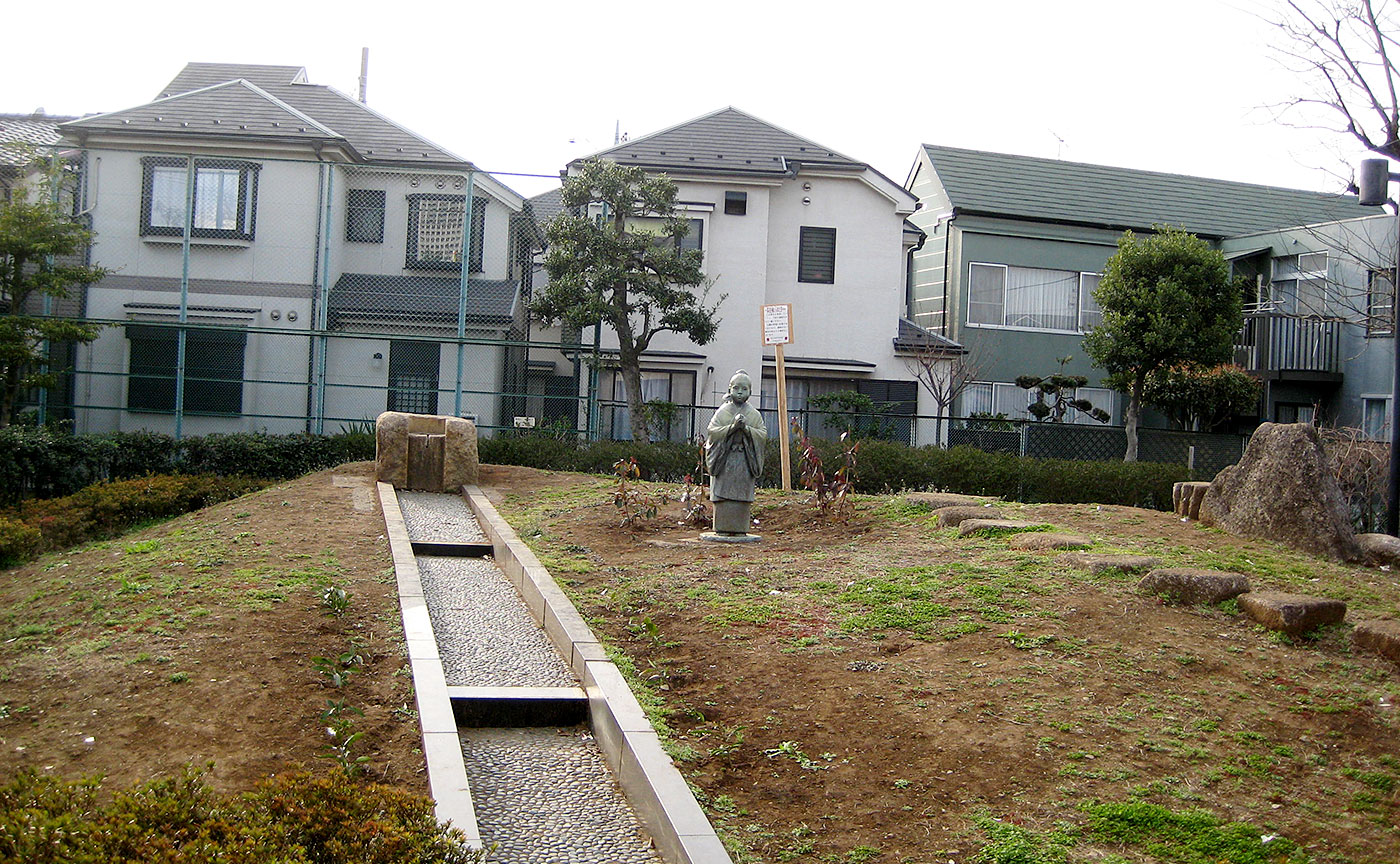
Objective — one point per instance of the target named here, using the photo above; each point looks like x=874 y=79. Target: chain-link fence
x=252 y=294
x=288 y=295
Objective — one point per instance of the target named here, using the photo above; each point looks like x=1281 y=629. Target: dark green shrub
x=664 y=461
x=39 y=463
x=884 y=467
x=107 y=509
x=18 y=541
x=290 y=819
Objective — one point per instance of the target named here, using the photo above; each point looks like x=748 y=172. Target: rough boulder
x=1283 y=490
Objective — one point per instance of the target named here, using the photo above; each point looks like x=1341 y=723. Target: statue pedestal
x=731 y=523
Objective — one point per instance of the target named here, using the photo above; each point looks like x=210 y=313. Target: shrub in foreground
x=108 y=509
x=291 y=819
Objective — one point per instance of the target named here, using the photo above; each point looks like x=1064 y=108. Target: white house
x=781 y=220
x=319 y=268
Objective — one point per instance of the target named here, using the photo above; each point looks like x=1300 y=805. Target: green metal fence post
x=462 y=294
x=322 y=317
x=184 y=298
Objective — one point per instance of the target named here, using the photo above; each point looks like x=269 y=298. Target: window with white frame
x=1380 y=303
x=1375 y=417
x=693 y=239
x=993 y=398
x=1299 y=285
x=1033 y=298
x=1090 y=315
x=990 y=398
x=224 y=195
x=672 y=394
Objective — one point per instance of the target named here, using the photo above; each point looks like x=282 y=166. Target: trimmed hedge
x=882 y=466
x=108 y=509
x=40 y=463
x=290 y=819
x=665 y=461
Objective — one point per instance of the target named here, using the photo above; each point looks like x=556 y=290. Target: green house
x=1015 y=246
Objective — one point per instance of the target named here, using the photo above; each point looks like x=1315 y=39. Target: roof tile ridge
x=161 y=100
x=402 y=128
x=291 y=109
x=802 y=138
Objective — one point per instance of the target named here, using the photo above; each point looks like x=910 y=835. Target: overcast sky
x=526 y=86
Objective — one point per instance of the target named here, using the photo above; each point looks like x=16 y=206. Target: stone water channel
x=543 y=794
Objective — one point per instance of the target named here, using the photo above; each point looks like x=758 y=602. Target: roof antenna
x=364 y=74
x=1059 y=148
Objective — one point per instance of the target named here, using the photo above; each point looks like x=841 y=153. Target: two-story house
x=1320 y=330
x=283 y=257
x=1016 y=245
x=780 y=220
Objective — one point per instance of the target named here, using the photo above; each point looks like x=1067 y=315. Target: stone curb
x=656 y=790
x=442 y=749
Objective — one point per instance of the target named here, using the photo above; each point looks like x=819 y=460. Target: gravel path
x=485 y=634
x=546 y=795
x=433 y=517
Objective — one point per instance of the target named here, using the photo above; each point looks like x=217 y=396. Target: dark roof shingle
x=727 y=141
x=1027 y=187
x=22 y=134
x=428 y=299
x=234 y=98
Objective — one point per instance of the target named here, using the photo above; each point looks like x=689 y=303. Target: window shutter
x=816 y=255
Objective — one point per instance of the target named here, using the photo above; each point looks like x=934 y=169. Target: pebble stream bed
x=543 y=795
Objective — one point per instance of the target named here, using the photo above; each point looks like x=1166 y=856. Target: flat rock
x=1293 y=614
x=968 y=527
x=1103 y=562
x=1044 y=541
x=1380 y=548
x=1378 y=637
x=952 y=517
x=1188 y=585
x=935 y=500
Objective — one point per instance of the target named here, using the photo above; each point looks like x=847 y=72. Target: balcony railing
x=1277 y=342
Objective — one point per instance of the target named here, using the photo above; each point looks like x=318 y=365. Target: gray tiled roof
x=246 y=99
x=912 y=337
x=727 y=141
x=20 y=133
x=197 y=75
x=429 y=299
x=1026 y=187
x=237 y=108
x=547 y=205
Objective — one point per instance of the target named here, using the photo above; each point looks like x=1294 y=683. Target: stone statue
x=734 y=457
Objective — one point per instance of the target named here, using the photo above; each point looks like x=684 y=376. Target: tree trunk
x=9 y=394
x=1131 y=417
x=629 y=363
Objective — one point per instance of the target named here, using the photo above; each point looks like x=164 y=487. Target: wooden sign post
x=777 y=331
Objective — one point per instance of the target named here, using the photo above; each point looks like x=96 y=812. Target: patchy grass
x=951 y=677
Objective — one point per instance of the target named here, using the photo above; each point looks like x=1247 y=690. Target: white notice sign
x=777 y=324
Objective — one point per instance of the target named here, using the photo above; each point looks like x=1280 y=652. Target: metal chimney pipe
x=364 y=74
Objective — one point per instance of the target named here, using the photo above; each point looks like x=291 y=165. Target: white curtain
x=1045 y=299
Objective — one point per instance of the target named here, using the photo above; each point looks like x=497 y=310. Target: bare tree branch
x=1341 y=50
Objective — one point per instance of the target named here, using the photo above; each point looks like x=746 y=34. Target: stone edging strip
x=442 y=748
x=657 y=792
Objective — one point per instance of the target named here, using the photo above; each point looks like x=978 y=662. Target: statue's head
x=740 y=387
